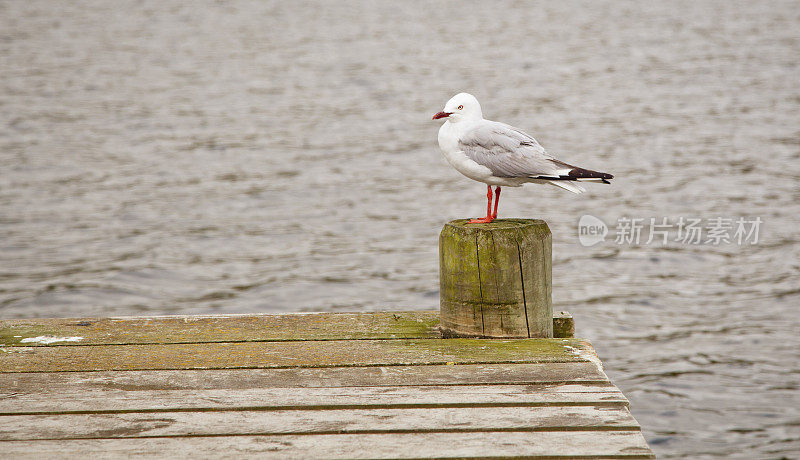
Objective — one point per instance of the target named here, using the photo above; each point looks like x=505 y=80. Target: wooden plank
x=229 y=328
x=242 y=379
x=228 y=423
x=221 y=328
x=86 y=400
x=497 y=374
x=570 y=444
x=290 y=354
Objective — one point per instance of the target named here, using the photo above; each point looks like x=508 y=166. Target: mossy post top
x=539 y=225
x=496 y=278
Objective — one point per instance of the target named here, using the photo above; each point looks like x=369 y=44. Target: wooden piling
x=496 y=279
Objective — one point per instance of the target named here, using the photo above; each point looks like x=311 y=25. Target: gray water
x=235 y=157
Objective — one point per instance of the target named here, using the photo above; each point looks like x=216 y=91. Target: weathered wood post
x=496 y=279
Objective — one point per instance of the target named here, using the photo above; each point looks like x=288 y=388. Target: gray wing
x=509 y=152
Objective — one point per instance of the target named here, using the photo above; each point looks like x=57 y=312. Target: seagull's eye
x=460 y=107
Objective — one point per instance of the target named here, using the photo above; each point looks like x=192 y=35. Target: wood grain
x=576 y=445
x=330 y=353
x=330 y=421
x=55 y=383
x=223 y=328
x=232 y=328
x=110 y=400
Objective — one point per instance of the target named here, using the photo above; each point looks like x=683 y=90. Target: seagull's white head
x=462 y=106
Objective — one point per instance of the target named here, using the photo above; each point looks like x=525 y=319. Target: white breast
x=448 y=142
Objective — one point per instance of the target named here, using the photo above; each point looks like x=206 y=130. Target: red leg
x=496 y=201
x=488 y=218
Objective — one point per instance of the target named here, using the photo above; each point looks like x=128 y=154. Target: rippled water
x=179 y=157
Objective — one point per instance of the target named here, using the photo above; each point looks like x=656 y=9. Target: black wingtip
x=580 y=173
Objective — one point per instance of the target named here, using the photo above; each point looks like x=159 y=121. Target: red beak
x=440 y=115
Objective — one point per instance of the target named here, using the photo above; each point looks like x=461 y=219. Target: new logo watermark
x=591 y=230
x=683 y=230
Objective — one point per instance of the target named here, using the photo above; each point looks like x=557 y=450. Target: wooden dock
x=361 y=385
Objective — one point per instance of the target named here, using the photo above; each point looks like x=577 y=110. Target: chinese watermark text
x=663 y=230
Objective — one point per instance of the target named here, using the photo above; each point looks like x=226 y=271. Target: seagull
x=501 y=155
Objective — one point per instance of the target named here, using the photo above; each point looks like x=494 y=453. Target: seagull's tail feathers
x=569 y=177
x=575 y=173
x=567 y=185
